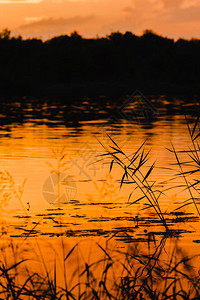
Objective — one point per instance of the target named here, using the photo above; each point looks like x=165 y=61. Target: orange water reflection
x=94 y=208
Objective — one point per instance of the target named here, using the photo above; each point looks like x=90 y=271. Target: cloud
x=150 y=5
x=179 y=4
x=191 y=3
x=163 y=5
x=190 y=14
x=128 y=9
x=33 y=19
x=19 y=1
x=173 y=18
x=77 y=0
x=51 y=23
x=49 y=27
x=164 y=10
x=172 y=3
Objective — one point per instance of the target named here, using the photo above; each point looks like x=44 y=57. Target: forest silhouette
x=149 y=62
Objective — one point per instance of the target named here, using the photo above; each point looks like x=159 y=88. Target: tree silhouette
x=5 y=34
x=149 y=60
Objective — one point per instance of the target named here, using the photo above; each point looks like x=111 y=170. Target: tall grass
x=188 y=162
x=137 y=174
x=58 y=168
x=142 y=271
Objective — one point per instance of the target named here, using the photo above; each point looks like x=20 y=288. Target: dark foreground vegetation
x=150 y=62
x=142 y=272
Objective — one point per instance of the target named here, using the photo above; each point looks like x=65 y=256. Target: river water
x=40 y=137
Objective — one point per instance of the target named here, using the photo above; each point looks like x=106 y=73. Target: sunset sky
x=46 y=18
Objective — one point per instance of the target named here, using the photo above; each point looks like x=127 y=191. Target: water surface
x=34 y=132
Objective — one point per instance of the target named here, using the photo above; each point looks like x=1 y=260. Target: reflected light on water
x=60 y=204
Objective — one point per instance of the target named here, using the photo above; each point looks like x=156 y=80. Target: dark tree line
x=148 y=59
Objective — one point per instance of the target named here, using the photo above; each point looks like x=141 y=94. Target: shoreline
x=108 y=88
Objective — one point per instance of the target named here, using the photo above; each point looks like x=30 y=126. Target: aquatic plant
x=144 y=270
x=59 y=167
x=137 y=174
x=188 y=162
x=9 y=190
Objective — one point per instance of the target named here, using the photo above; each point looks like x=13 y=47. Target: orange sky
x=46 y=18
